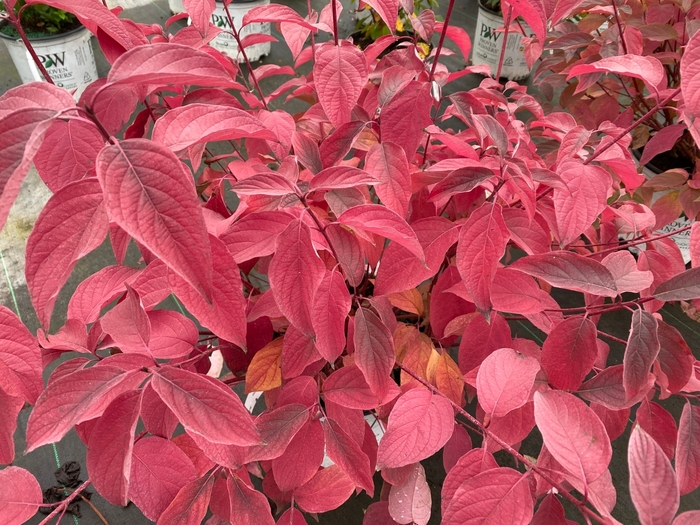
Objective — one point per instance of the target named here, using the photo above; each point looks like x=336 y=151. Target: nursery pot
x=68 y=58
x=488 y=43
x=225 y=42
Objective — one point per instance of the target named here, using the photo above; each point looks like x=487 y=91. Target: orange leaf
x=265 y=372
x=448 y=378
x=409 y=301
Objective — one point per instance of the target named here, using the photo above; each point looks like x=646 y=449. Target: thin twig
x=99 y=514
x=506 y=25
x=64 y=504
x=584 y=510
x=442 y=39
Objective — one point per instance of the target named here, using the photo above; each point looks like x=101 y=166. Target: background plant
x=364 y=256
x=40 y=20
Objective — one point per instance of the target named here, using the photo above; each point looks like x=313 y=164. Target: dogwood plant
x=363 y=256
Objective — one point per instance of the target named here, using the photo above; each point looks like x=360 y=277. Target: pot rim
x=78 y=29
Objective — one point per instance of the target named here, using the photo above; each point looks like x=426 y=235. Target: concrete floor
x=13 y=294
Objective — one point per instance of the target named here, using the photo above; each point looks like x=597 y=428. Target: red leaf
x=74 y=398
x=149 y=193
x=225 y=316
x=205 y=408
x=660 y=425
x=172 y=334
x=374 y=351
x=110 y=447
x=458 y=445
x=682 y=287
x=255 y=235
x=516 y=293
x=394 y=80
x=628 y=278
x=504 y=381
x=20 y=359
x=653 y=486
x=275 y=13
x=338 y=177
x=512 y=428
x=277 y=428
x=21 y=133
x=158 y=419
x=642 y=348
x=646 y=68
x=387 y=9
x=675 y=358
x=458 y=35
x=472 y=463
x=95 y=292
x=573 y=434
x=377 y=219
x=570 y=271
x=482 y=243
x=351 y=257
x=249 y=506
x=529 y=235
x=569 y=352
x=401 y=270
x=20 y=496
x=298 y=352
x=190 y=504
x=615 y=421
x=483 y=339
x=411 y=502
x=662 y=141
x=326 y=491
x=347 y=454
x=306 y=149
x=340 y=72
x=127 y=323
x=163 y=64
x=690 y=80
x=378 y=514
x=500 y=495
x=67 y=153
x=550 y=512
x=535 y=14
x=387 y=162
x=688 y=449
x=185 y=126
x=461 y=180
x=406 y=116
x=339 y=143
x=159 y=469
x=93 y=15
x=330 y=309
x=9 y=410
x=419 y=425
x=292 y=516
x=35 y=95
x=348 y=387
x=302 y=458
x=606 y=389
x=200 y=12
x=687 y=518
x=295 y=274
x=265 y=184
x=581 y=201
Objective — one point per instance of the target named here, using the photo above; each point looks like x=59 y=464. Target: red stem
x=640 y=241
x=16 y=21
x=64 y=504
x=335 y=22
x=584 y=510
x=505 y=41
x=442 y=39
x=234 y=32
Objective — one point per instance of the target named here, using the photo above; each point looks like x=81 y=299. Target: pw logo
x=220 y=21
x=53 y=59
x=489 y=33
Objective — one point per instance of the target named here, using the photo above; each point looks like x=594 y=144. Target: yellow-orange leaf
x=432 y=367
x=448 y=378
x=409 y=301
x=265 y=372
x=416 y=357
x=405 y=337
